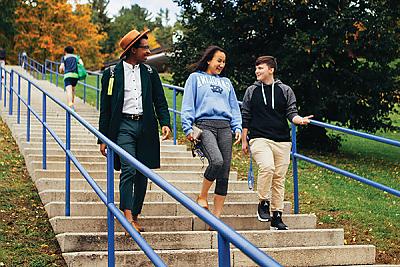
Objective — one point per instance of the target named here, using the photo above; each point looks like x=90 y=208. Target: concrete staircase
x=180 y=238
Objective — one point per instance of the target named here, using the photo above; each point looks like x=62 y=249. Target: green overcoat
x=155 y=108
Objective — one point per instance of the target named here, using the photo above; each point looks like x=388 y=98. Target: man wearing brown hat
x=132 y=99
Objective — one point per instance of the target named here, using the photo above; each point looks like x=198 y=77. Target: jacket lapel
x=119 y=82
x=144 y=79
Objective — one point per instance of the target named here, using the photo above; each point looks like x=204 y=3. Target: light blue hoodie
x=209 y=97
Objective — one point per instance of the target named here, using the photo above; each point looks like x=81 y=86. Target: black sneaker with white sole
x=277 y=222
x=263 y=214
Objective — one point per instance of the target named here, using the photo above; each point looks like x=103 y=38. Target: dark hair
x=269 y=60
x=208 y=54
x=137 y=43
x=69 y=50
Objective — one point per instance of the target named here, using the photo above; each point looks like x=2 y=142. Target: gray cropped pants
x=216 y=145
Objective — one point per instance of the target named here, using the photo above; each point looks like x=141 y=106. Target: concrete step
x=48 y=196
x=98 y=166
x=153 y=208
x=101 y=158
x=80 y=184
x=89 y=137
x=58 y=115
x=291 y=256
x=38 y=127
x=74 y=242
x=175 y=222
x=86 y=152
x=167 y=175
x=78 y=138
x=52 y=144
x=54 y=122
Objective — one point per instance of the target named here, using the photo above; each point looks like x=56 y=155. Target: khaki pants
x=273 y=159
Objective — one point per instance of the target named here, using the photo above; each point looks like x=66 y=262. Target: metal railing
x=50 y=69
x=226 y=235
x=53 y=68
x=296 y=156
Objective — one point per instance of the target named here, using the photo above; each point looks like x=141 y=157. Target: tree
x=163 y=31
x=101 y=19
x=338 y=56
x=7 y=25
x=134 y=17
x=45 y=27
x=99 y=14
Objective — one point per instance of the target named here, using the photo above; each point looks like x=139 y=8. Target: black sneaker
x=263 y=214
x=277 y=222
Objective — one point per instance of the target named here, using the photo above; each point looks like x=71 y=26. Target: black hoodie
x=267 y=116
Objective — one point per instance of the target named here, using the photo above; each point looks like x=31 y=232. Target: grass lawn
x=26 y=236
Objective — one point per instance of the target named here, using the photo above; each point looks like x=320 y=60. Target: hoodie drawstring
x=272 y=94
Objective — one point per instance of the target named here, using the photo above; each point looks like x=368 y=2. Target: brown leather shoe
x=137 y=226
x=202 y=202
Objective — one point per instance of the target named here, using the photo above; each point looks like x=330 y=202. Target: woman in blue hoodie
x=209 y=102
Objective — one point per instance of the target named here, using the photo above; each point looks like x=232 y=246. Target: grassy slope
x=26 y=236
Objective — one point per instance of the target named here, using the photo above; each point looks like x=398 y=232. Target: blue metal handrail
x=84 y=83
x=296 y=156
x=108 y=200
x=226 y=234
x=175 y=89
x=52 y=67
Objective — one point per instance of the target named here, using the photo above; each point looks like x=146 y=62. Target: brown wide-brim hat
x=130 y=39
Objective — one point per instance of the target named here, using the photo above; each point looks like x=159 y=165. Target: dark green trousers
x=132 y=184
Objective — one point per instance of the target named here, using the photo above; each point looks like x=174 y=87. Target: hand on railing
x=302 y=120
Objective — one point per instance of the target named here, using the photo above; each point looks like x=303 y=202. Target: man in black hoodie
x=267 y=105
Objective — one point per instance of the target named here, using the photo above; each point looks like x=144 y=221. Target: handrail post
x=10 y=104
x=28 y=114
x=5 y=88
x=84 y=90
x=57 y=76
x=295 y=172
x=51 y=71
x=110 y=200
x=44 y=132
x=44 y=71
x=68 y=165
x=19 y=100
x=174 y=119
x=1 y=82
x=224 y=254
x=97 y=91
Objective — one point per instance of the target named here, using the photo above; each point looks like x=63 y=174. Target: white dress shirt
x=133 y=90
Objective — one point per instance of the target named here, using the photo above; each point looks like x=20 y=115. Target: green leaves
x=334 y=54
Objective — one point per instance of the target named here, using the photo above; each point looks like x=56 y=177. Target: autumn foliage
x=45 y=27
